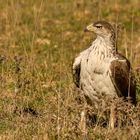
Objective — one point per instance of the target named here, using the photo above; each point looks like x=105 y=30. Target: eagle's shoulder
x=122 y=77
x=76 y=68
x=120 y=64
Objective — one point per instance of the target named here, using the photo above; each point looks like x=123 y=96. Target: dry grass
x=38 y=42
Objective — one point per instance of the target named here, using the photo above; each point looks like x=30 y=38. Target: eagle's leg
x=112 y=119
x=82 y=124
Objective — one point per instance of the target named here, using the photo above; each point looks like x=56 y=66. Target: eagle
x=101 y=70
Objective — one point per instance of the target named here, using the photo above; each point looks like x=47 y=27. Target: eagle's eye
x=98 y=26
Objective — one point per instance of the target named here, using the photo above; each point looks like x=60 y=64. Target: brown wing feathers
x=123 y=79
x=76 y=75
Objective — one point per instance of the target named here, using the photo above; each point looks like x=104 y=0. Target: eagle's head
x=101 y=28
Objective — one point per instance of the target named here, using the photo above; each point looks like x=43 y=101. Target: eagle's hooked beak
x=90 y=28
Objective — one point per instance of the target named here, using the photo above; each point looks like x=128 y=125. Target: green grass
x=38 y=41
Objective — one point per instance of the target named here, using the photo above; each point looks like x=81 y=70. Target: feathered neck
x=108 y=41
x=104 y=46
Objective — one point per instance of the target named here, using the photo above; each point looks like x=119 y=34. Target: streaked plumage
x=101 y=70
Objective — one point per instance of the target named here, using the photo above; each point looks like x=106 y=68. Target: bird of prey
x=101 y=70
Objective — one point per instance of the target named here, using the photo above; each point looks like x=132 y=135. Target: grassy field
x=38 y=41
